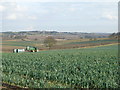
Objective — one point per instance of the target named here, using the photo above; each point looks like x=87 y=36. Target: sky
x=62 y=16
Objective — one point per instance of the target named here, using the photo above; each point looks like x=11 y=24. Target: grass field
x=71 y=68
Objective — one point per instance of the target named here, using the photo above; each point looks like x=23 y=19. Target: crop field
x=19 y=43
x=95 y=41
x=26 y=43
x=9 y=45
x=72 y=68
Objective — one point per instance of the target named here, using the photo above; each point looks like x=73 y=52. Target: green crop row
x=75 y=68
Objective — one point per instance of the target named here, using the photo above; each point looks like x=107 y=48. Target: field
x=71 y=68
x=9 y=45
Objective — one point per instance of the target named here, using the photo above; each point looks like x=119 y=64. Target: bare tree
x=49 y=41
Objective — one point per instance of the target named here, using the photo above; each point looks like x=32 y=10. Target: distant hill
x=115 y=35
x=57 y=35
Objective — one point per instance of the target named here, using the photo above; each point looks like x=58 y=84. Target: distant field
x=65 y=44
x=8 y=46
x=25 y=43
x=19 y=43
x=95 y=41
x=70 y=68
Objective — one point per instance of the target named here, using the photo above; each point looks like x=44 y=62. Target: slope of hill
x=37 y=35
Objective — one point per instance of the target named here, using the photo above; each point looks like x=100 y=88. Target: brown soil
x=10 y=48
x=6 y=86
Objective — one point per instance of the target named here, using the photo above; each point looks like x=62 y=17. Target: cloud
x=32 y=17
x=72 y=9
x=63 y=15
x=15 y=11
x=2 y=8
x=15 y=16
x=21 y=8
x=29 y=28
x=110 y=16
x=11 y=7
x=11 y=17
x=20 y=16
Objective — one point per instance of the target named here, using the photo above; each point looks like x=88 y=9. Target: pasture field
x=9 y=45
x=27 y=43
x=71 y=68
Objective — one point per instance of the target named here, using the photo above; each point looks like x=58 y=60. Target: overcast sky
x=61 y=16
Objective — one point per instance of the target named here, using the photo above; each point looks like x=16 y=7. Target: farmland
x=9 y=45
x=96 y=41
x=71 y=68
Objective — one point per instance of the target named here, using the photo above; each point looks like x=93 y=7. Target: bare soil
x=6 y=86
